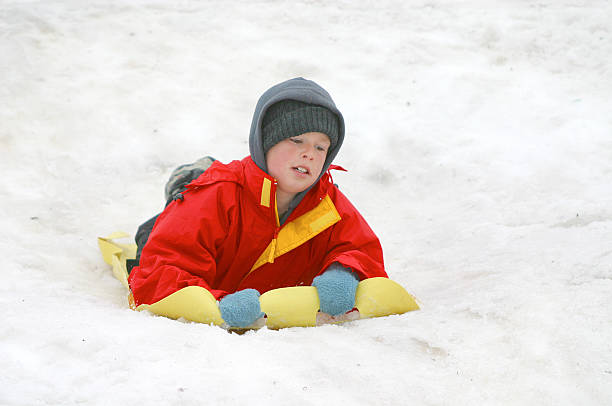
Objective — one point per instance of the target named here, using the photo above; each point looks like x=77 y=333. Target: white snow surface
x=479 y=149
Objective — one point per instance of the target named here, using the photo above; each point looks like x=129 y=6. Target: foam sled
x=285 y=307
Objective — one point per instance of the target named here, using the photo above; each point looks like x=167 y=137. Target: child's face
x=296 y=162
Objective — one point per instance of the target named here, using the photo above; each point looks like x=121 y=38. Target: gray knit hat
x=289 y=118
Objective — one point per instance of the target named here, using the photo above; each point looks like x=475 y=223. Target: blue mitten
x=336 y=287
x=241 y=309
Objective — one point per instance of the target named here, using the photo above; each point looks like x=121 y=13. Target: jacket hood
x=299 y=89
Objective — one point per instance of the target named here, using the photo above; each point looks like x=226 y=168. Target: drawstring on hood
x=301 y=90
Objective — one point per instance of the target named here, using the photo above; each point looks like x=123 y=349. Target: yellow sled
x=286 y=307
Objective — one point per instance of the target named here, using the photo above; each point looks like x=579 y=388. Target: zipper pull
x=273 y=248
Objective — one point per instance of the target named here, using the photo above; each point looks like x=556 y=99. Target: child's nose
x=308 y=152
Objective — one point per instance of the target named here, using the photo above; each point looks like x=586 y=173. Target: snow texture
x=479 y=148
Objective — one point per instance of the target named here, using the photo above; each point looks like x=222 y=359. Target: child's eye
x=296 y=140
x=323 y=149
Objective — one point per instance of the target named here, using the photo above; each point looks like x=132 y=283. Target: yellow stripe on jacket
x=300 y=230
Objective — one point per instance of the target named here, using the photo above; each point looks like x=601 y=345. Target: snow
x=478 y=146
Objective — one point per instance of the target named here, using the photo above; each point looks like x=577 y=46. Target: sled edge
x=379 y=297
x=193 y=303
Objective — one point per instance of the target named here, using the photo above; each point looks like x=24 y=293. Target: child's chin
x=298 y=188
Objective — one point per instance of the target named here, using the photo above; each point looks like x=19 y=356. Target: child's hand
x=336 y=287
x=241 y=309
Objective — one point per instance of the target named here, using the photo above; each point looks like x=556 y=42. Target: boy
x=272 y=220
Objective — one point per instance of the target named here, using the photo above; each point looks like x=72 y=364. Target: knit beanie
x=289 y=118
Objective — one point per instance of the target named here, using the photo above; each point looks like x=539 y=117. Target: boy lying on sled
x=271 y=220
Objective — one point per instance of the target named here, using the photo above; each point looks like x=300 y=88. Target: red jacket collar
x=249 y=176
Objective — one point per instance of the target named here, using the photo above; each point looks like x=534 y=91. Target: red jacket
x=225 y=237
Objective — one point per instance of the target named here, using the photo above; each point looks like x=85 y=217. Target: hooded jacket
x=225 y=235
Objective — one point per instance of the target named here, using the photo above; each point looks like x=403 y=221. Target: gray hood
x=298 y=89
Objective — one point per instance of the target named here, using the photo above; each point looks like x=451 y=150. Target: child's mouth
x=301 y=169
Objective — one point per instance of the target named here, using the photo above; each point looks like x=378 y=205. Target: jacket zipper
x=276 y=220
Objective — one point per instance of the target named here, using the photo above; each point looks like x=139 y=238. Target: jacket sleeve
x=182 y=247
x=353 y=244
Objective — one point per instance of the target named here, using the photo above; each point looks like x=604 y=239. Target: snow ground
x=479 y=145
